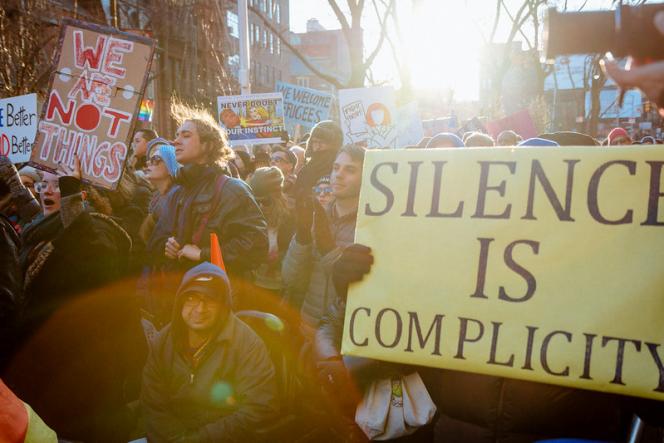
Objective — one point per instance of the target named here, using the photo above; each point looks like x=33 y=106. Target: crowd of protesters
x=203 y=300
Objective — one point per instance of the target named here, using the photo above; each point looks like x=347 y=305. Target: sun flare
x=442 y=44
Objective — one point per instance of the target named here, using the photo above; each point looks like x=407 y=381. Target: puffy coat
x=231 y=391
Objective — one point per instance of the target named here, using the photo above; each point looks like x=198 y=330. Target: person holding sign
x=207 y=201
x=320 y=234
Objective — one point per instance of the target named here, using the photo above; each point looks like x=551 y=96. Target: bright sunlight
x=443 y=46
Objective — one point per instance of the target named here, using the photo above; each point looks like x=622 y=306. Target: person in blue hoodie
x=208 y=377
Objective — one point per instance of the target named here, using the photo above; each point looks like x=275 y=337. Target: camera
x=627 y=31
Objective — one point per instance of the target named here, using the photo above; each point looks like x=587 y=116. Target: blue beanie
x=538 y=142
x=167 y=153
x=445 y=138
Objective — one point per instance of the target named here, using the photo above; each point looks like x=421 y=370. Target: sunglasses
x=43 y=186
x=320 y=190
x=155 y=160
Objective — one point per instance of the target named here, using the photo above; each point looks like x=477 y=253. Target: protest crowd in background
x=203 y=299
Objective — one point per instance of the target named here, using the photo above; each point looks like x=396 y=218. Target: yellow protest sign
x=539 y=264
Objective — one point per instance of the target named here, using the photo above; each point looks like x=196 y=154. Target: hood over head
x=204 y=278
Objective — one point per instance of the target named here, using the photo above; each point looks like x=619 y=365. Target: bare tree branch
x=383 y=33
x=343 y=21
x=496 y=20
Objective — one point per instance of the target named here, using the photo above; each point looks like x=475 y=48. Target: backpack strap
x=216 y=199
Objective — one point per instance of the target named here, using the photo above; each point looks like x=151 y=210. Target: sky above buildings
x=441 y=39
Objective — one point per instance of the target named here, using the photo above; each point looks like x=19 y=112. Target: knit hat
x=328 y=132
x=167 y=153
x=445 y=139
x=266 y=181
x=31 y=172
x=617 y=133
x=541 y=142
x=154 y=142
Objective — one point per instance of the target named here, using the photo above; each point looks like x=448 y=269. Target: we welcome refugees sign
x=532 y=263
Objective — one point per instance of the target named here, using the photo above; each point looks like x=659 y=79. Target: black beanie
x=265 y=181
x=328 y=132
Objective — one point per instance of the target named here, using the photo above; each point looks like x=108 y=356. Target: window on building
x=253 y=71
x=277 y=12
x=271 y=43
x=265 y=38
x=251 y=33
x=257 y=37
x=259 y=73
x=274 y=77
x=302 y=81
x=266 y=74
x=268 y=5
x=233 y=24
x=278 y=44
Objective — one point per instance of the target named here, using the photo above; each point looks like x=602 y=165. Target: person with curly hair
x=207 y=200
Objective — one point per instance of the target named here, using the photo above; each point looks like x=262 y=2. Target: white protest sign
x=18 y=126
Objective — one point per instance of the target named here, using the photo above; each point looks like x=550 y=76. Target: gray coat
x=305 y=268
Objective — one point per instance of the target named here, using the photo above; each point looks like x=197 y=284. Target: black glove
x=304 y=217
x=320 y=165
x=353 y=264
x=322 y=232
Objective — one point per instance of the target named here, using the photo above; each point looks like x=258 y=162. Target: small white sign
x=18 y=126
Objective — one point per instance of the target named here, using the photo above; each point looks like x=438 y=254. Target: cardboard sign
x=520 y=122
x=18 y=126
x=253 y=119
x=542 y=264
x=95 y=94
x=368 y=116
x=304 y=106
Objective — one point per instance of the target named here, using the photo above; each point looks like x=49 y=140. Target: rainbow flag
x=146 y=110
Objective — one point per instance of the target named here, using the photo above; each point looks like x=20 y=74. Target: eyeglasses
x=193 y=300
x=155 y=160
x=43 y=186
x=322 y=190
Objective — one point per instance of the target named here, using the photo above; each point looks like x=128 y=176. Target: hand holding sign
x=74 y=171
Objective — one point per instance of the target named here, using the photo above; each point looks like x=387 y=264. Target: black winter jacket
x=234 y=216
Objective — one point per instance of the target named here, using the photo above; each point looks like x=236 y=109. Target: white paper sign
x=18 y=126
